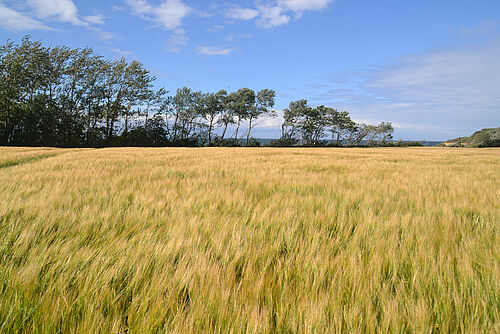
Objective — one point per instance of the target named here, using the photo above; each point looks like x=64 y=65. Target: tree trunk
x=210 y=131
x=8 y=131
x=175 y=126
x=125 y=134
x=237 y=129
x=88 y=127
x=249 y=130
x=224 y=132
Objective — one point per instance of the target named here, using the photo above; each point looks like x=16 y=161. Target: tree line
x=63 y=97
x=310 y=126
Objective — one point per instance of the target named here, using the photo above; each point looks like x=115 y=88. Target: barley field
x=222 y=240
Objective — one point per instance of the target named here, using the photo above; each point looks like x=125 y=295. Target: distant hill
x=481 y=138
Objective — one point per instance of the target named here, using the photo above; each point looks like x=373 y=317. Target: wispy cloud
x=177 y=39
x=449 y=90
x=15 y=21
x=61 y=10
x=272 y=16
x=168 y=15
x=239 y=13
x=37 y=14
x=451 y=79
x=204 y=14
x=214 y=51
x=95 y=19
x=232 y=37
x=276 y=13
x=216 y=27
x=123 y=53
x=104 y=35
x=304 y=5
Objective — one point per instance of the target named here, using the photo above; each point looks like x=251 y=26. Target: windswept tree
x=93 y=101
x=305 y=122
x=182 y=106
x=67 y=97
x=302 y=122
x=264 y=101
x=139 y=94
x=211 y=106
x=78 y=92
x=10 y=92
x=291 y=126
x=227 y=116
x=114 y=95
x=381 y=133
x=241 y=104
x=340 y=124
x=372 y=134
x=58 y=96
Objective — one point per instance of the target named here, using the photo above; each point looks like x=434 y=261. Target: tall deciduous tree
x=340 y=124
x=212 y=105
x=241 y=102
x=58 y=96
x=264 y=101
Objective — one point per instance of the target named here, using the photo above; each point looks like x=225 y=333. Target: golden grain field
x=249 y=240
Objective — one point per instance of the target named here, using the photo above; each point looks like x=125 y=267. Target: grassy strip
x=26 y=160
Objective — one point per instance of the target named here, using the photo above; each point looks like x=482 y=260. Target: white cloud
x=452 y=78
x=47 y=10
x=104 y=35
x=238 y=13
x=214 y=51
x=215 y=27
x=95 y=19
x=272 y=16
x=276 y=13
x=171 y=12
x=62 y=10
x=177 y=39
x=271 y=122
x=123 y=53
x=15 y=21
x=436 y=95
x=168 y=14
x=304 y=5
x=205 y=15
x=232 y=37
x=140 y=7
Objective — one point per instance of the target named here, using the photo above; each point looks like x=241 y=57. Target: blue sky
x=432 y=68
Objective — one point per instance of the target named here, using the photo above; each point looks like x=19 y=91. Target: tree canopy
x=63 y=97
x=308 y=125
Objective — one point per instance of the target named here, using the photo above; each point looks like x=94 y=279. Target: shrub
x=283 y=142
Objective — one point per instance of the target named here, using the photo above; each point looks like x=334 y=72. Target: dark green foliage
x=218 y=141
x=481 y=138
x=66 y=97
x=308 y=127
x=152 y=133
x=401 y=143
x=283 y=142
x=485 y=138
x=252 y=142
x=69 y=98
